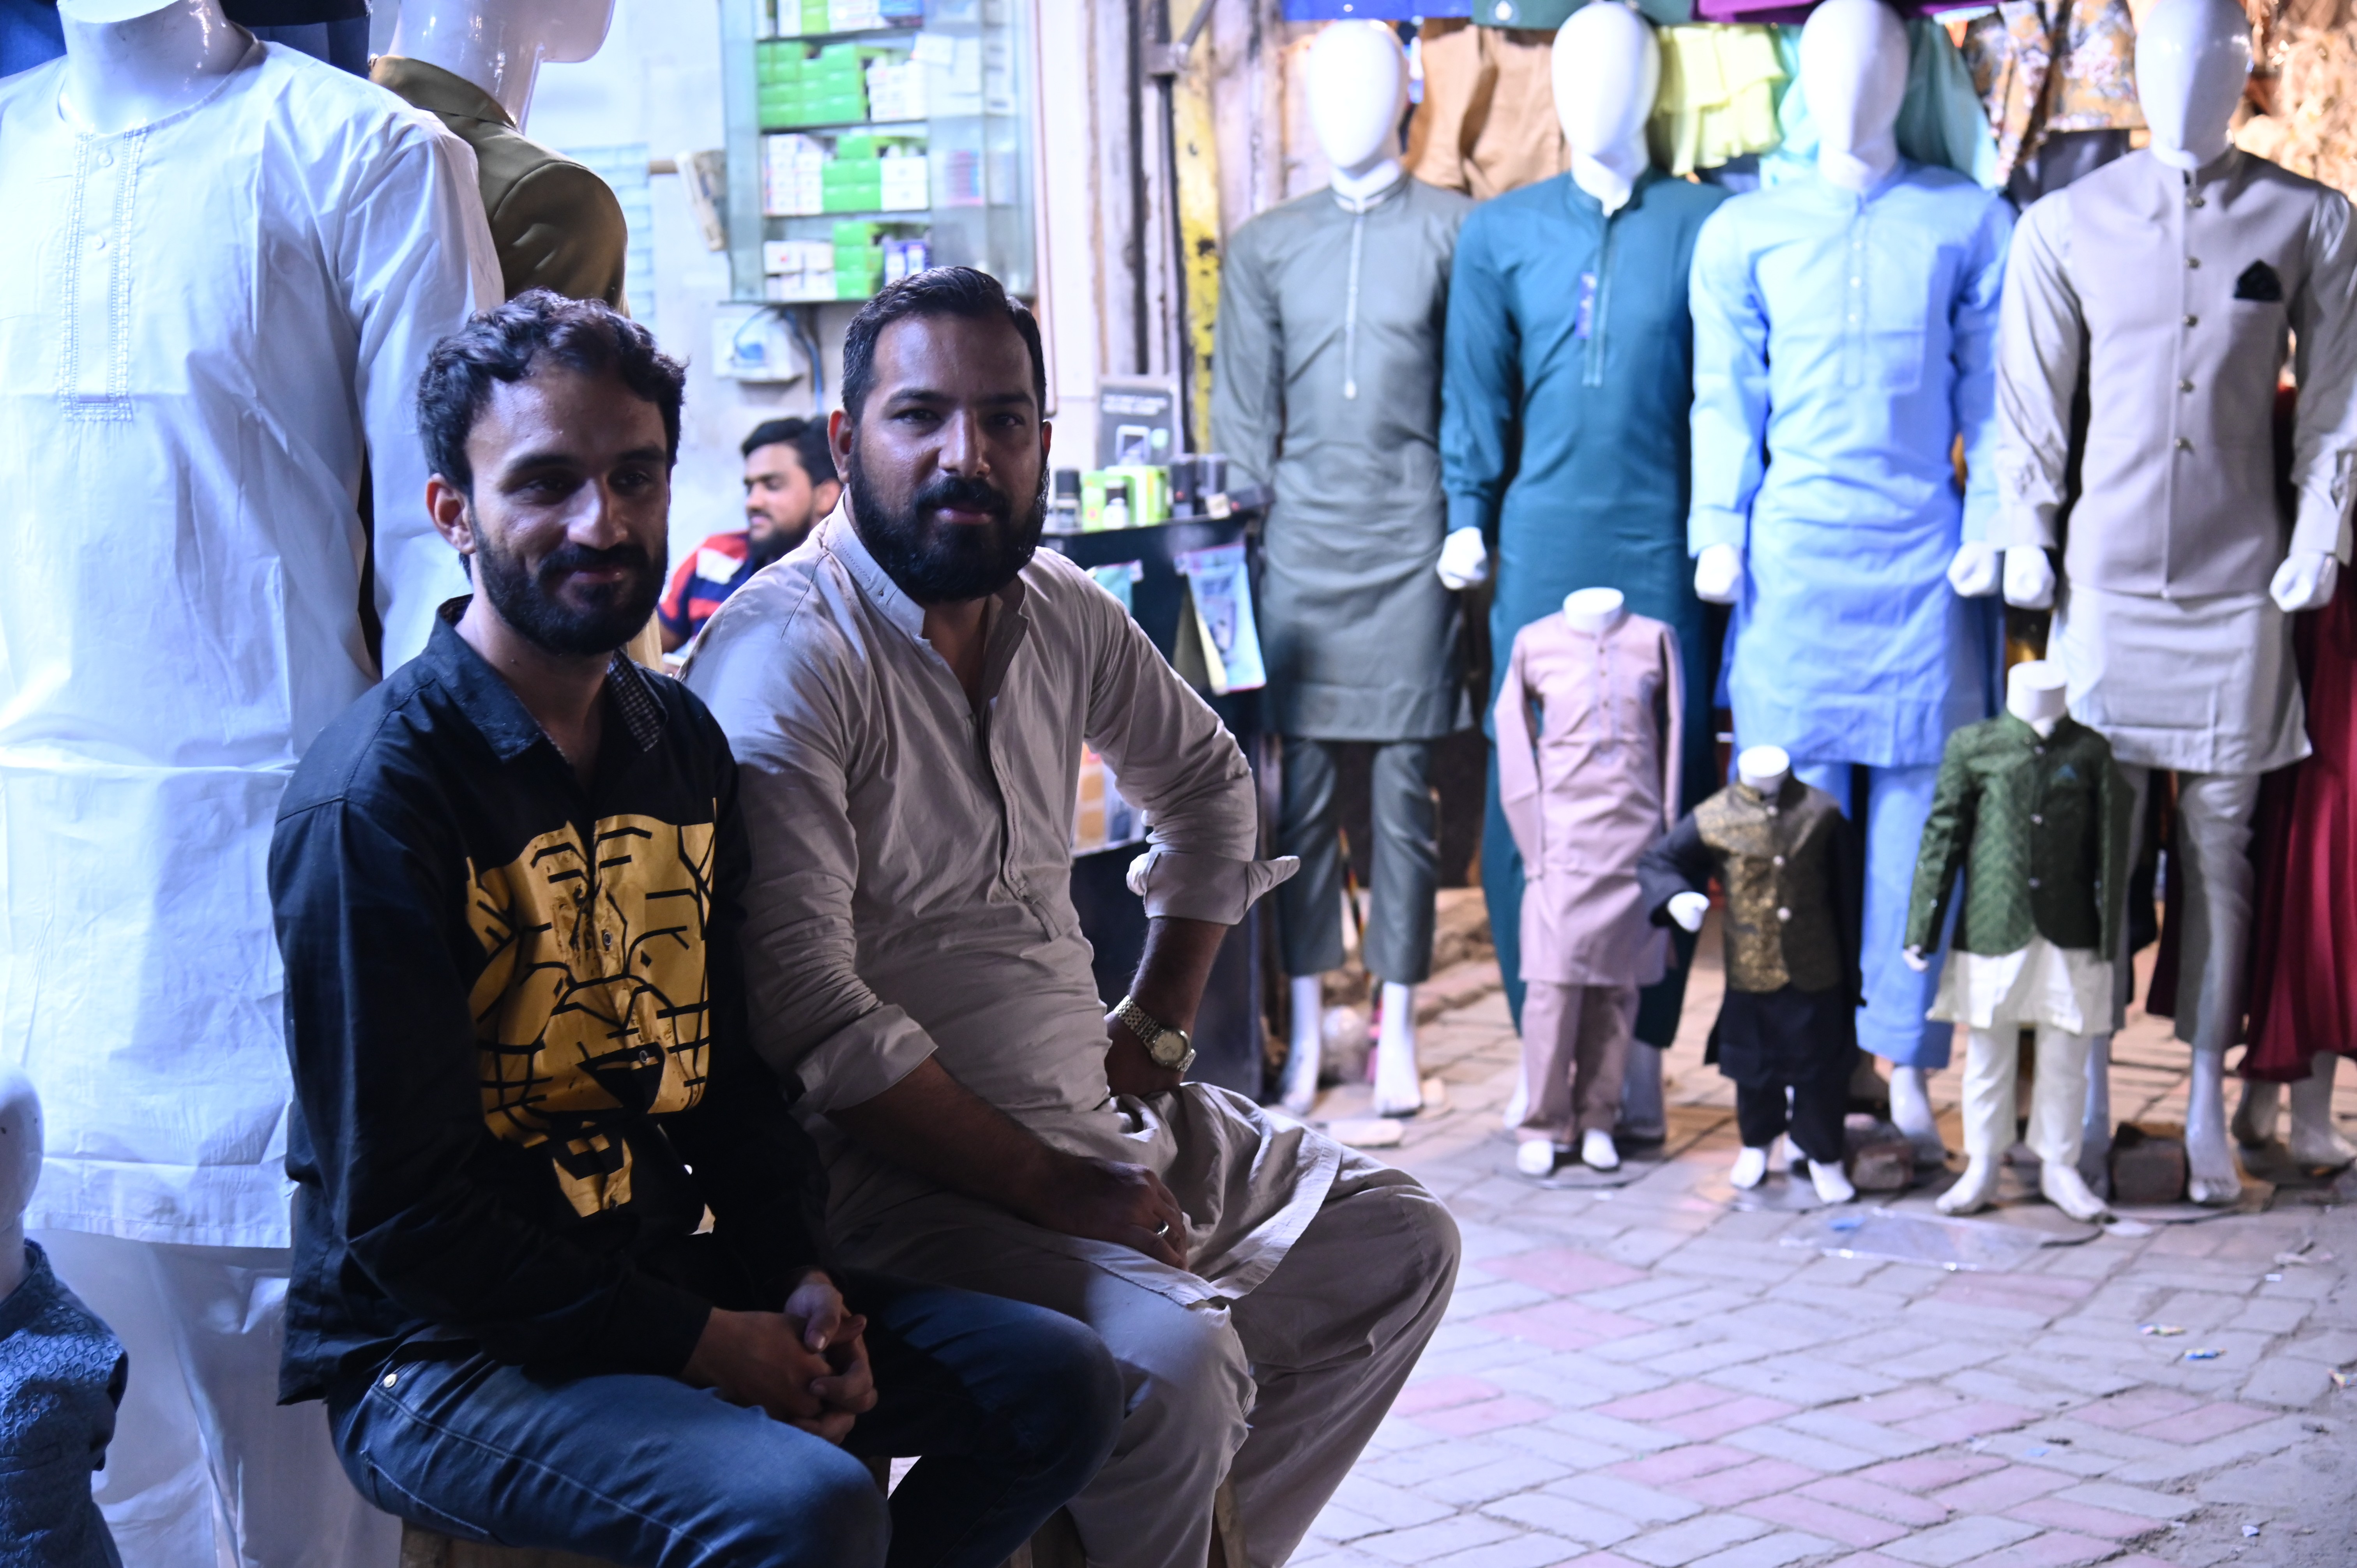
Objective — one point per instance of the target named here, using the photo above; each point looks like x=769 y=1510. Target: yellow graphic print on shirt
x=595 y=1002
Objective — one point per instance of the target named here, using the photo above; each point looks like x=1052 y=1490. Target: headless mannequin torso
x=1606 y=71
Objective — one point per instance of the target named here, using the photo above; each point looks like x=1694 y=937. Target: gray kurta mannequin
x=1327 y=385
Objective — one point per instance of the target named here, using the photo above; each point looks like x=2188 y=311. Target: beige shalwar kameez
x=911 y=898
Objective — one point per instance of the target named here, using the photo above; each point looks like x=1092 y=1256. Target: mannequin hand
x=2305 y=581
x=1719 y=574
x=1688 y=909
x=2029 y=578
x=1464 y=560
x=1915 y=958
x=1973 y=573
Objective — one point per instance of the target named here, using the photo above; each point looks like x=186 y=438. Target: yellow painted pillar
x=1197 y=156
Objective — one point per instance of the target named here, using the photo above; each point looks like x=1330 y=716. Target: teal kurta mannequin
x=1564 y=437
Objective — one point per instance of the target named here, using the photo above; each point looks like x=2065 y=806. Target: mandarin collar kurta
x=1564 y=423
x=912 y=866
x=213 y=335
x=1588 y=745
x=2038 y=827
x=1843 y=344
x=2174 y=298
x=1327 y=385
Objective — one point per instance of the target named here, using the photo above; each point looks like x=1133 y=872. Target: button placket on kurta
x=94 y=371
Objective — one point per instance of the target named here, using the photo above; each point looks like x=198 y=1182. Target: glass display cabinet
x=870 y=138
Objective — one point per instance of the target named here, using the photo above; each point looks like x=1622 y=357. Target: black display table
x=1229 y=1032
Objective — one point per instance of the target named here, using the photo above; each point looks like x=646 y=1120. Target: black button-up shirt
x=515 y=1010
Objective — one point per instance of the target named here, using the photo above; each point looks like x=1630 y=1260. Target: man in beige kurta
x=909 y=765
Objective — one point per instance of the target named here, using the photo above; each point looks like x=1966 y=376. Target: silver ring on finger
x=1162 y=1232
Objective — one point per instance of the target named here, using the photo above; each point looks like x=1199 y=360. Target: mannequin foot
x=2067 y=1192
x=1832 y=1183
x=1751 y=1167
x=1399 y=1086
x=2314 y=1140
x=2254 y=1115
x=1306 y=1057
x=2214 y=1179
x=1974 y=1191
x=1785 y=1154
x=1535 y=1158
x=1910 y=1113
x=1596 y=1151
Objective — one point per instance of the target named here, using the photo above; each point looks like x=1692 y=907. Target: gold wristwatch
x=1168 y=1046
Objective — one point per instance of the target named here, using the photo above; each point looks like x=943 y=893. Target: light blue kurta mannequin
x=1843 y=344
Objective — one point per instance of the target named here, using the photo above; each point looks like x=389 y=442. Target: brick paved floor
x=1648 y=1377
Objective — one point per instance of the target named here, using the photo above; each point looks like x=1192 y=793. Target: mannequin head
x=1607 y=68
x=1358 y=90
x=20 y=1169
x=1854 y=72
x=2192 y=58
x=500 y=45
x=1595 y=610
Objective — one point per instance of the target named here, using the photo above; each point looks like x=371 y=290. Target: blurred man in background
x=790 y=484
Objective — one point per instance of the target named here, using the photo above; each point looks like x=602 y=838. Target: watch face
x=1169 y=1049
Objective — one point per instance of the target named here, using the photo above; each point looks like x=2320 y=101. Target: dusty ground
x=1654 y=1375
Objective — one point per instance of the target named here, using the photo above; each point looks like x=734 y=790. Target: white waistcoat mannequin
x=1606 y=70
x=500 y=45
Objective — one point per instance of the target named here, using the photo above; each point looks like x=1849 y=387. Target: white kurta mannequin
x=2034 y=694
x=1854 y=70
x=1358 y=89
x=500 y=45
x=205 y=1466
x=1597 y=611
x=1606 y=70
x=2194 y=57
x=1764 y=768
x=20 y=1171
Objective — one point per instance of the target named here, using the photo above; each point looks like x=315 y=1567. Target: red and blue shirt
x=718 y=569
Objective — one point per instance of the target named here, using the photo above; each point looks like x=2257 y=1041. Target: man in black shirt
x=508 y=886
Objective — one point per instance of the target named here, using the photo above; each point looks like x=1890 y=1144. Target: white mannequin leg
x=1911 y=1109
x=1535 y=1158
x=1832 y=1183
x=1399 y=1087
x=1597 y=1151
x=2254 y=1115
x=2095 y=1126
x=2314 y=1140
x=1642 y=1117
x=2057 y=1115
x=1302 y=1062
x=2209 y=1153
x=1990 y=1080
x=1750 y=1168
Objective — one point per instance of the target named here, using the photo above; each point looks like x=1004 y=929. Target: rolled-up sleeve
x=791 y=713
x=1179 y=765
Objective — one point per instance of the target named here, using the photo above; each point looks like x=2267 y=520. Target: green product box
x=1149 y=491
x=856 y=234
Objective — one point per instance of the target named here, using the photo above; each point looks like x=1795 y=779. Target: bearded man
x=907 y=697
x=509 y=884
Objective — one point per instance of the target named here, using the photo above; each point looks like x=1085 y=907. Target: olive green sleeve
x=560 y=227
x=1946 y=833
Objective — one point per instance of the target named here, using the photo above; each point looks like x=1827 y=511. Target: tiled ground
x=1647 y=1377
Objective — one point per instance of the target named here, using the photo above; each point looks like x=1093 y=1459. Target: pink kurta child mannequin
x=1586 y=789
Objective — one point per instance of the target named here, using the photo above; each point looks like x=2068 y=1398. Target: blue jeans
x=1012 y=1408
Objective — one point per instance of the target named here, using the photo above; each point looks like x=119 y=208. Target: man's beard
x=615 y=613
x=760 y=549
x=938 y=562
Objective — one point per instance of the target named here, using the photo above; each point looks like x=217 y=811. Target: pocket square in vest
x=2260 y=282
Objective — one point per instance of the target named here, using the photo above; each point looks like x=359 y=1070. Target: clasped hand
x=806 y=1366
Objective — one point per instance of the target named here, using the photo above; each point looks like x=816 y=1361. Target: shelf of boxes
x=860 y=257
x=805 y=18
